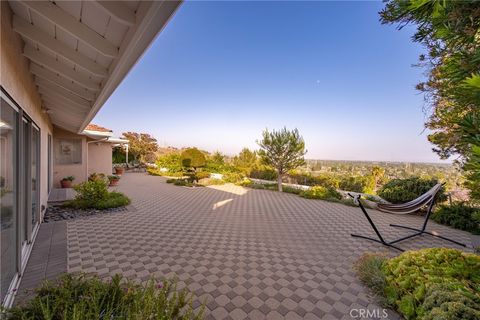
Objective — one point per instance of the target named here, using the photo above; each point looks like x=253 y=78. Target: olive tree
x=283 y=150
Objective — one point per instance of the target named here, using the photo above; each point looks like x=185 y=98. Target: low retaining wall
x=304 y=187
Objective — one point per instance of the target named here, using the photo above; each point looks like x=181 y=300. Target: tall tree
x=141 y=145
x=377 y=174
x=283 y=150
x=450 y=31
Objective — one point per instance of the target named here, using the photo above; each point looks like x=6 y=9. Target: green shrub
x=327 y=181
x=271 y=186
x=232 y=177
x=288 y=189
x=264 y=173
x=203 y=175
x=212 y=182
x=94 y=194
x=427 y=284
x=171 y=161
x=362 y=184
x=92 y=191
x=459 y=215
x=84 y=297
x=192 y=158
x=153 y=171
x=256 y=186
x=321 y=192
x=180 y=182
x=245 y=182
x=404 y=190
x=171 y=180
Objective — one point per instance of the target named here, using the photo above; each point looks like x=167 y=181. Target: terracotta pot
x=66 y=183
x=114 y=182
x=119 y=170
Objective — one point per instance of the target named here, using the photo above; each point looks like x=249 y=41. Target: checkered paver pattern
x=247 y=254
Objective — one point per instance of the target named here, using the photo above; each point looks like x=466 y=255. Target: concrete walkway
x=248 y=254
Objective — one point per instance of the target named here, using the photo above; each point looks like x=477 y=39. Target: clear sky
x=221 y=72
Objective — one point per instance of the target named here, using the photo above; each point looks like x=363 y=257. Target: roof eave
x=156 y=17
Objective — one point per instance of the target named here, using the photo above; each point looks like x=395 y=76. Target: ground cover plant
x=427 y=284
x=82 y=297
x=94 y=194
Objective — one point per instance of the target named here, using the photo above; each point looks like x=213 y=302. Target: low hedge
x=436 y=283
x=83 y=297
x=459 y=215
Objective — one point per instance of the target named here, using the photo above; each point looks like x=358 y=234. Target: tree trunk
x=280 y=182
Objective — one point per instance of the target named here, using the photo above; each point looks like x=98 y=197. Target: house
x=80 y=155
x=60 y=62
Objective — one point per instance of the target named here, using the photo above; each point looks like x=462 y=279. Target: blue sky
x=221 y=72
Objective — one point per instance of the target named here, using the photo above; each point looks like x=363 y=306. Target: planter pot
x=66 y=183
x=114 y=182
x=119 y=170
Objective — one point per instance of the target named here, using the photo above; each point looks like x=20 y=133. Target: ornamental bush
x=427 y=284
x=94 y=194
x=83 y=297
x=92 y=191
x=321 y=192
x=193 y=158
x=404 y=190
x=459 y=215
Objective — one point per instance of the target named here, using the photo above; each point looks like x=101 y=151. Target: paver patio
x=249 y=254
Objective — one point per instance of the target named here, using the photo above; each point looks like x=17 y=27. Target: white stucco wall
x=79 y=171
x=17 y=80
x=100 y=158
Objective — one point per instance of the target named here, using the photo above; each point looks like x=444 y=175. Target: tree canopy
x=141 y=145
x=246 y=160
x=450 y=31
x=283 y=150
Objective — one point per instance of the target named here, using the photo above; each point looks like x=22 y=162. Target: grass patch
x=427 y=284
x=82 y=297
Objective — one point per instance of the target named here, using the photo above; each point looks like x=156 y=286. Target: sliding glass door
x=19 y=191
x=8 y=195
x=35 y=176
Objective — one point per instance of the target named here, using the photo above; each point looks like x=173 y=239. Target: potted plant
x=114 y=179
x=67 y=182
x=119 y=170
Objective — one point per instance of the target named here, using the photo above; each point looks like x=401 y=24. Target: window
x=68 y=151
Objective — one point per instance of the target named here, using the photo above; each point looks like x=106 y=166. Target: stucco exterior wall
x=17 y=80
x=100 y=158
x=60 y=171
